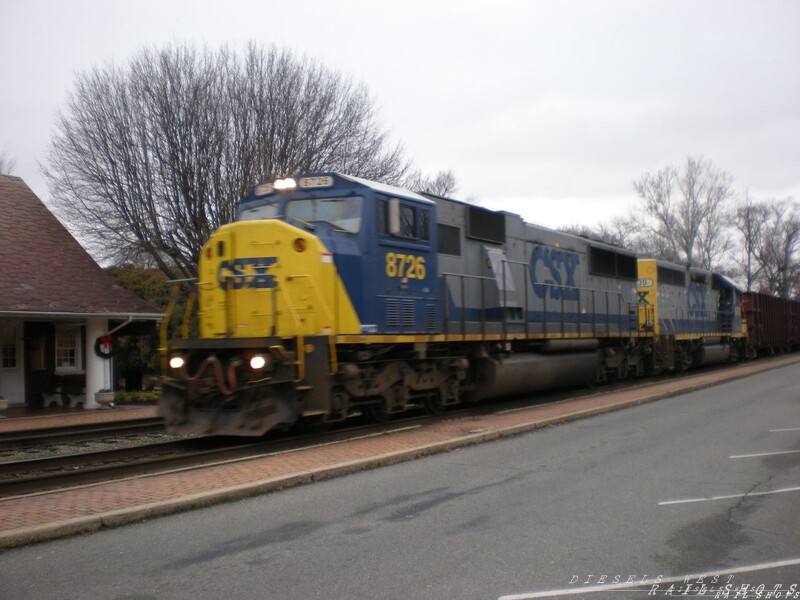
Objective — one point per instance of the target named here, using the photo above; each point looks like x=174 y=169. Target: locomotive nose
x=268 y=278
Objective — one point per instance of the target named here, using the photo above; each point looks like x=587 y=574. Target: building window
x=9 y=346
x=68 y=345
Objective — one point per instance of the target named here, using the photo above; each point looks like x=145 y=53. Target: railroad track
x=73 y=433
x=58 y=472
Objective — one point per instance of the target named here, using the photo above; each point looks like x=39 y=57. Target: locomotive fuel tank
x=711 y=354
x=527 y=373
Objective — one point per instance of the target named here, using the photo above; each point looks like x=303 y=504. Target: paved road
x=562 y=509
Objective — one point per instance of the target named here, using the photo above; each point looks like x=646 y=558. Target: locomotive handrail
x=326 y=309
x=697 y=323
x=446 y=304
x=301 y=354
x=167 y=320
x=610 y=296
x=187 y=312
x=506 y=261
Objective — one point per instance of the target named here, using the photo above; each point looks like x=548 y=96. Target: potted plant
x=105 y=398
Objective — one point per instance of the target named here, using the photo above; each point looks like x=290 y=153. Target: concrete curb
x=89 y=524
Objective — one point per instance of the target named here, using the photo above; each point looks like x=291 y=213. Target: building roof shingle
x=43 y=269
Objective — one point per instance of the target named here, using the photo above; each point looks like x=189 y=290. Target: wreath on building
x=103 y=346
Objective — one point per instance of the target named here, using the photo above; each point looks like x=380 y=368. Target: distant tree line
x=690 y=214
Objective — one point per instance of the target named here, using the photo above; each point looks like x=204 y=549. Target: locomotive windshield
x=265 y=211
x=343 y=213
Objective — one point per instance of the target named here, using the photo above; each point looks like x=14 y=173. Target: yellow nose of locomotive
x=269 y=278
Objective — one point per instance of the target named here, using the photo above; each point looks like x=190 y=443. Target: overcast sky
x=548 y=109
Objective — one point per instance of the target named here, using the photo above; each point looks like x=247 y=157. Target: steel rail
x=38 y=435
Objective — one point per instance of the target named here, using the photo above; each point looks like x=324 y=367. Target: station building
x=58 y=309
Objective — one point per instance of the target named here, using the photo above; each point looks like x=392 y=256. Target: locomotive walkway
x=48 y=515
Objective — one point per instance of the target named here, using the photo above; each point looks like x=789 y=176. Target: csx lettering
x=558 y=268
x=246 y=273
x=405 y=265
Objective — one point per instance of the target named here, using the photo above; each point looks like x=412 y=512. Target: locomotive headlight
x=176 y=362
x=258 y=362
x=285 y=184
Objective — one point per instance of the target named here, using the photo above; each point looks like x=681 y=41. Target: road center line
x=787 y=429
x=581 y=590
x=765 y=454
x=749 y=495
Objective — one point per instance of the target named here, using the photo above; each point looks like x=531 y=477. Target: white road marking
x=749 y=495
x=788 y=429
x=574 y=591
x=765 y=454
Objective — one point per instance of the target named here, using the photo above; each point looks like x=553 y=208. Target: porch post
x=98 y=370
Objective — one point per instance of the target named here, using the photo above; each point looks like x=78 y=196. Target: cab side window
x=410 y=222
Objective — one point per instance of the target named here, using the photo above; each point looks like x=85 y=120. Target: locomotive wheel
x=434 y=403
x=315 y=425
x=376 y=413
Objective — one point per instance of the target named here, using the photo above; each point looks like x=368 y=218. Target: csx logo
x=555 y=267
x=246 y=273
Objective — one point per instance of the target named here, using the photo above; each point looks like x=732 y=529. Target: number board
x=316 y=182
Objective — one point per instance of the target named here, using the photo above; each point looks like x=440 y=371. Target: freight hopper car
x=695 y=316
x=332 y=295
x=773 y=324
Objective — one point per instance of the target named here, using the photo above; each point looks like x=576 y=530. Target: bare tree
x=7 y=165
x=149 y=159
x=621 y=231
x=600 y=233
x=629 y=232
x=778 y=253
x=441 y=184
x=686 y=211
x=750 y=219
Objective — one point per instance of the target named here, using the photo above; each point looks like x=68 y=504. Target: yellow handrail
x=164 y=330
x=187 y=313
x=328 y=315
x=168 y=315
x=301 y=364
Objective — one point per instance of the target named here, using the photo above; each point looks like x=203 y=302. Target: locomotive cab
x=381 y=240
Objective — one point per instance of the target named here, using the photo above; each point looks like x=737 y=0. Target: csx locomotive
x=331 y=295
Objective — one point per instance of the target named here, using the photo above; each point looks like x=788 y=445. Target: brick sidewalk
x=54 y=514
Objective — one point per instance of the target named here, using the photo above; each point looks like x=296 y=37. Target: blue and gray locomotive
x=331 y=295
